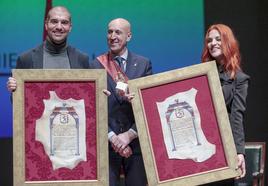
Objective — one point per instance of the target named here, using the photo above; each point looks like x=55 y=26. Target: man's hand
x=11 y=84
x=125 y=94
x=117 y=144
x=129 y=96
x=106 y=92
x=125 y=152
x=126 y=137
x=120 y=146
x=241 y=165
x=121 y=141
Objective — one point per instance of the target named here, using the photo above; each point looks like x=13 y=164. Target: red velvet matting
x=38 y=167
x=176 y=168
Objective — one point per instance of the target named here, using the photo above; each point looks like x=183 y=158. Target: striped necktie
x=119 y=61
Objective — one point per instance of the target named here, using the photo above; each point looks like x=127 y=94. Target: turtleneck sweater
x=55 y=56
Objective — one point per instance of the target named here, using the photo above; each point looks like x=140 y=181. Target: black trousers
x=133 y=169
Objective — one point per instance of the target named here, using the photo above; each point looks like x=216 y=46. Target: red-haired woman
x=222 y=46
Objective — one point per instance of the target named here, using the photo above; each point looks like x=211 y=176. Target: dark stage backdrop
x=249 y=20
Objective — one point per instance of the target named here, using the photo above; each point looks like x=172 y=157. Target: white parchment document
x=62 y=131
x=181 y=126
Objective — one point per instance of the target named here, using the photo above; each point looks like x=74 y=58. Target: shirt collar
x=124 y=55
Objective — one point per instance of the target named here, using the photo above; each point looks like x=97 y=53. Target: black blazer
x=235 y=94
x=120 y=111
x=33 y=59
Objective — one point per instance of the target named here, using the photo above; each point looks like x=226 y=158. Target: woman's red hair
x=230 y=49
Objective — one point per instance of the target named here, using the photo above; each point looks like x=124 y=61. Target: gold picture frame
x=31 y=165
x=165 y=171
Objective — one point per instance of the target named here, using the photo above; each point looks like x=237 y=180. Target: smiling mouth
x=57 y=33
x=215 y=49
x=113 y=43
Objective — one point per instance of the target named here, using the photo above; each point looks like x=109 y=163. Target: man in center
x=122 y=65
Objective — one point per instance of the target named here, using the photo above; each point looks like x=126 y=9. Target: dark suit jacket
x=33 y=59
x=120 y=112
x=235 y=94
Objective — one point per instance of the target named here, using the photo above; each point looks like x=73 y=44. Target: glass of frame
x=183 y=126
x=44 y=94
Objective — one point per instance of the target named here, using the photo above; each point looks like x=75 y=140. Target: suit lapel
x=72 y=57
x=131 y=65
x=38 y=58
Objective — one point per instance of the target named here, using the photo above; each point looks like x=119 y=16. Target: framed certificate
x=183 y=126
x=60 y=128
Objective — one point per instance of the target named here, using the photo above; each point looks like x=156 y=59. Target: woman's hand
x=241 y=164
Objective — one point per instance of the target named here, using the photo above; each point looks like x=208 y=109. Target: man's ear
x=71 y=26
x=129 y=35
x=46 y=25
